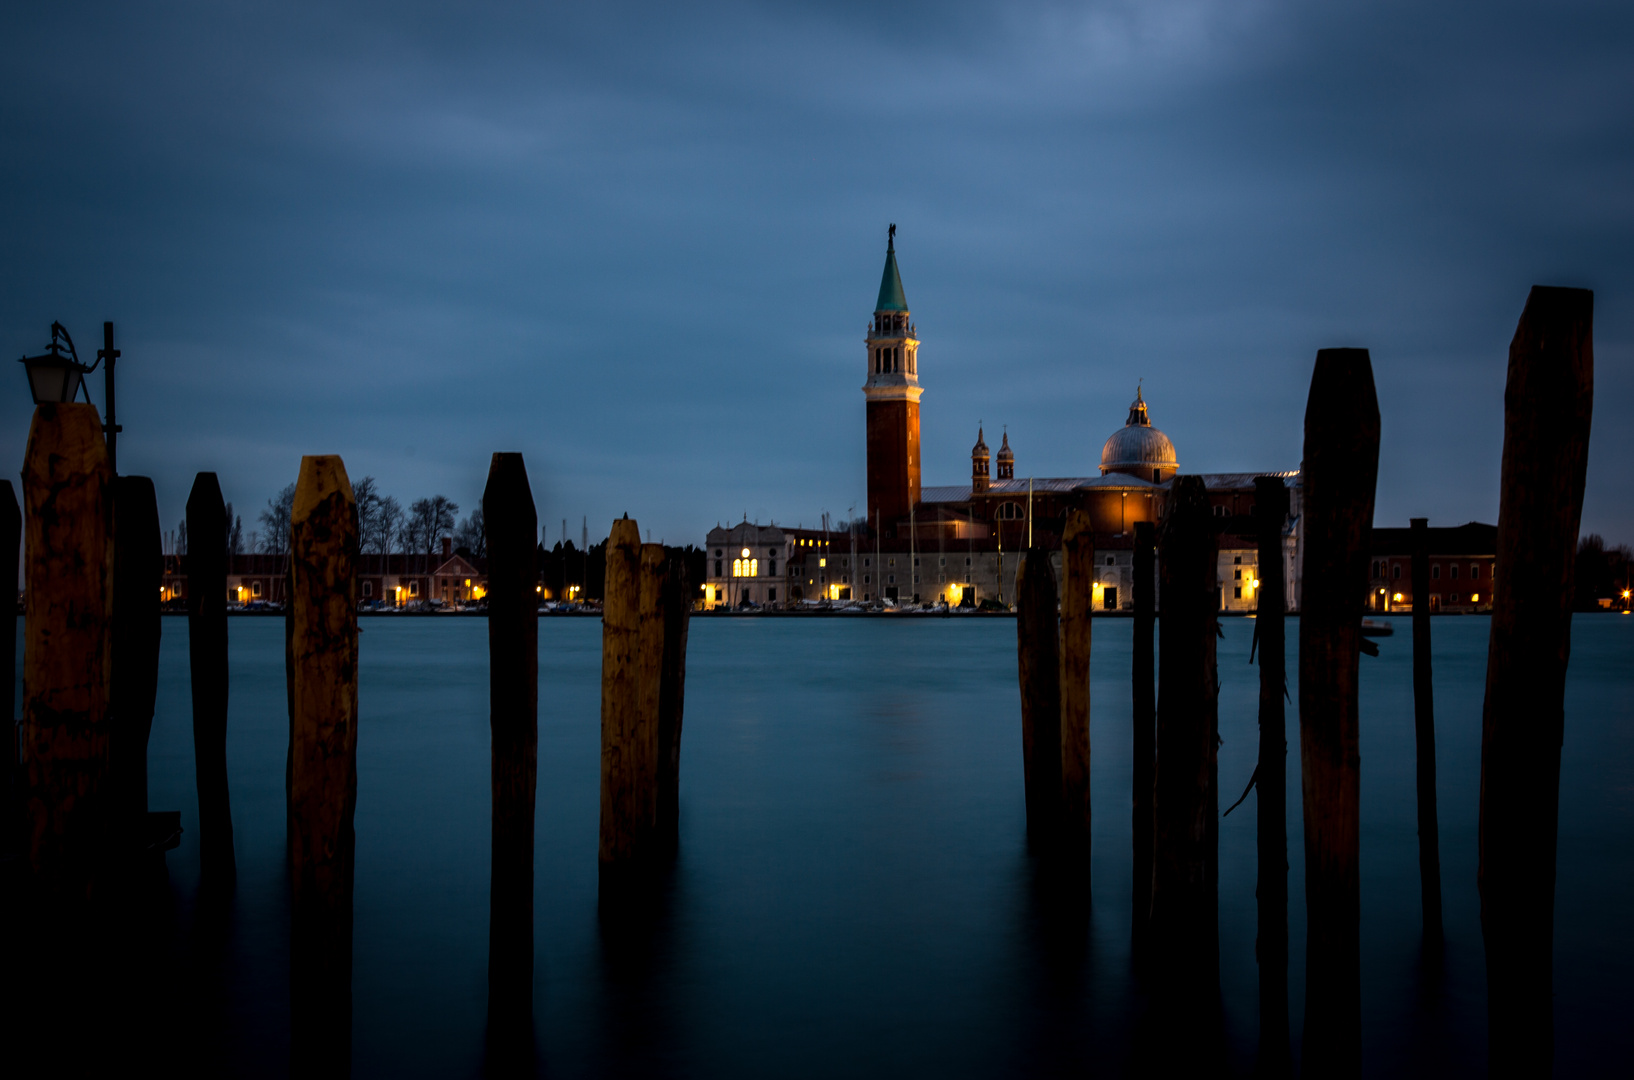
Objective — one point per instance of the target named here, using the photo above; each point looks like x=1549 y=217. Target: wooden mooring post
x=1077 y=605
x=134 y=685
x=67 y=496
x=1183 y=933
x=207 y=658
x=1039 y=649
x=1271 y=790
x=1143 y=675
x=323 y=792
x=1429 y=833
x=1340 y=473
x=1548 y=407
x=513 y=717
x=643 y=673
x=623 y=762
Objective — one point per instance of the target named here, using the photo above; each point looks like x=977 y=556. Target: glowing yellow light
x=1625 y=594
x=1256 y=584
x=822 y=562
x=1398 y=598
x=745 y=553
x=1475 y=598
x=467 y=583
x=538 y=588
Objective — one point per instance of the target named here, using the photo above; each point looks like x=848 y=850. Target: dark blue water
x=853 y=893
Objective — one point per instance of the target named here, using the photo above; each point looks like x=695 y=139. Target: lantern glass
x=53 y=378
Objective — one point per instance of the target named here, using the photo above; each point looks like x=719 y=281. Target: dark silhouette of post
x=513 y=716
x=323 y=792
x=1184 y=922
x=622 y=821
x=68 y=496
x=1548 y=406
x=138 y=573
x=1077 y=602
x=11 y=546
x=1429 y=833
x=1143 y=672
x=677 y=603
x=1340 y=472
x=1038 y=646
x=207 y=655
x=1271 y=604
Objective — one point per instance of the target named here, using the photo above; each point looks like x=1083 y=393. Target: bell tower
x=892 y=392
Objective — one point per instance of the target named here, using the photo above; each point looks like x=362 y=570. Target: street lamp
x=57 y=378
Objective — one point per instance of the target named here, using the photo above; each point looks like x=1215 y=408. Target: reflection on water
x=853 y=892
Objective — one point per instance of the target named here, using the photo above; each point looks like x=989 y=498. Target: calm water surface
x=853 y=893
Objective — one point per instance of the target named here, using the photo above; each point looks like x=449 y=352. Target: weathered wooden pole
x=513 y=717
x=1183 y=933
x=1340 y=471
x=11 y=546
x=655 y=586
x=207 y=656
x=623 y=825
x=323 y=795
x=1548 y=406
x=1183 y=890
x=672 y=698
x=68 y=581
x=1271 y=827
x=1077 y=602
x=1429 y=832
x=1039 y=652
x=134 y=686
x=1143 y=673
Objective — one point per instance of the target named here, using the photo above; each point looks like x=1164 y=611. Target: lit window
x=822 y=562
x=754 y=567
x=255 y=588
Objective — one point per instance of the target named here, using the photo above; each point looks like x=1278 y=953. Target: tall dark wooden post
x=677 y=602
x=513 y=712
x=323 y=792
x=1340 y=472
x=1548 y=405
x=1271 y=604
x=1077 y=605
x=1184 y=923
x=68 y=499
x=1143 y=672
x=207 y=654
x=621 y=820
x=1429 y=833
x=1038 y=648
x=138 y=573
x=11 y=546
x=1187 y=720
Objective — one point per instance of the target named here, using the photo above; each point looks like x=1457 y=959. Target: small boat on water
x=1377 y=628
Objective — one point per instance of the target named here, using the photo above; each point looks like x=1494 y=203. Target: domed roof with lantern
x=1138 y=448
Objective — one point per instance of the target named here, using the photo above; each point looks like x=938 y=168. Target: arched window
x=737 y=567
x=1010 y=512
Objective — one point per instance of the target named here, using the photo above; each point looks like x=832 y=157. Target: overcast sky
x=640 y=243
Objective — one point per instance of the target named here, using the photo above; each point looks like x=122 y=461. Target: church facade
x=959 y=544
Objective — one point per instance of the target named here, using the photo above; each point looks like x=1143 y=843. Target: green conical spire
x=890 y=284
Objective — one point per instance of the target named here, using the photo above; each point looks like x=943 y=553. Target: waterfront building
x=1462 y=561
x=960 y=543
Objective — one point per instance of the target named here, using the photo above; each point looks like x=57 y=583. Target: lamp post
x=57 y=377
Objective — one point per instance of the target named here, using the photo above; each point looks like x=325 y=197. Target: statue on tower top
x=890 y=236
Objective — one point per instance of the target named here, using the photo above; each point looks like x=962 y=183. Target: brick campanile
x=893 y=393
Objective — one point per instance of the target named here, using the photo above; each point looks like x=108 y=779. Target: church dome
x=1138 y=448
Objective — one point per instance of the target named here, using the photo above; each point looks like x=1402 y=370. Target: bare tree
x=472 y=535
x=275 y=522
x=235 y=535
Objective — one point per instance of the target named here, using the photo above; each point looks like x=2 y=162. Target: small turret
x=1007 y=459
x=979 y=480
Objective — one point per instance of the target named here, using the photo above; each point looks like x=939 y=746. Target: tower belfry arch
x=892 y=392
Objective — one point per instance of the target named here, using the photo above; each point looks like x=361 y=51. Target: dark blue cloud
x=639 y=243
